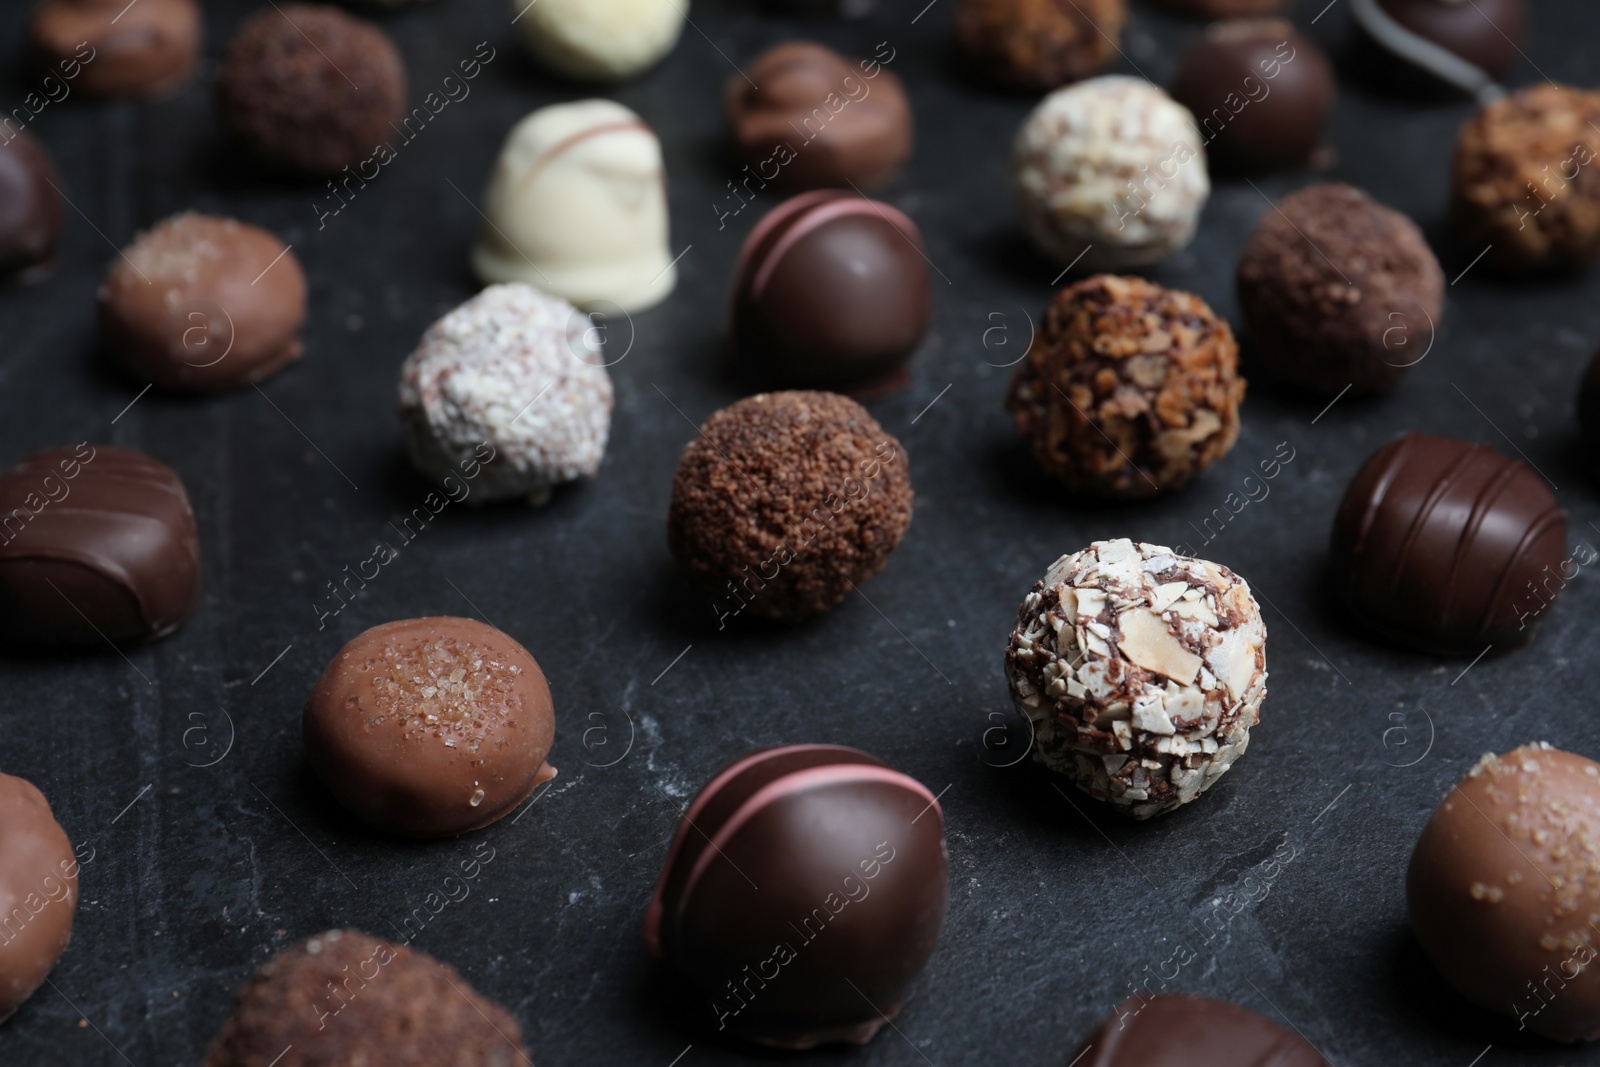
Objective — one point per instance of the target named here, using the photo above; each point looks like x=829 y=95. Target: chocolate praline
x=1037 y=45
x=1189 y=1031
x=804 y=890
x=30 y=208
x=38 y=891
x=1486 y=33
x=116 y=48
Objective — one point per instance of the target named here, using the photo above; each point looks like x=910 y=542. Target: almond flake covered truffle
x=1141 y=670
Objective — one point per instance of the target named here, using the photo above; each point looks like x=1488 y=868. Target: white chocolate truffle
x=577 y=205
x=1112 y=165
x=515 y=375
x=600 y=40
x=1141 y=671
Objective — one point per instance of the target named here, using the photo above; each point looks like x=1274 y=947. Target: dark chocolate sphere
x=803 y=892
x=1485 y=33
x=30 y=207
x=832 y=292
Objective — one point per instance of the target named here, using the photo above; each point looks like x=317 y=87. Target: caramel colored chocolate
x=116 y=48
x=1187 y=1031
x=38 y=891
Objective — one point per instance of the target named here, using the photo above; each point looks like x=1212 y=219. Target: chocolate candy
x=803 y=892
x=96 y=544
x=430 y=727
x=599 y=40
x=1486 y=33
x=30 y=207
x=1034 y=47
x=1502 y=890
x=115 y=48
x=831 y=291
x=1260 y=91
x=1448 y=547
x=200 y=303
x=808 y=118
x=38 y=891
x=1188 y=1031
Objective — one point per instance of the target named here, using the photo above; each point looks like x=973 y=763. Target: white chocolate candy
x=600 y=40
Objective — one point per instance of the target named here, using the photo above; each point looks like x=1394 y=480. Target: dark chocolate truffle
x=808 y=118
x=832 y=291
x=1448 y=547
x=38 y=891
x=1485 y=33
x=1338 y=292
x=117 y=48
x=1037 y=45
x=1129 y=389
x=1189 y=1031
x=430 y=727
x=1261 y=93
x=199 y=303
x=1224 y=9
x=30 y=207
x=312 y=88
x=1526 y=183
x=786 y=501
x=803 y=892
x=96 y=544
x=343 y=998
x=1503 y=891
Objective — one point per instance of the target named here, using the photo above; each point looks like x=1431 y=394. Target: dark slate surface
x=200 y=873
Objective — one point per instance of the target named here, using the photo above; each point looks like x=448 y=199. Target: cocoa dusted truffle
x=1503 y=892
x=1338 y=292
x=311 y=88
x=1129 y=389
x=1525 y=181
x=30 y=207
x=804 y=890
x=38 y=891
x=342 y=997
x=117 y=48
x=1188 y=1031
x=1037 y=45
x=1141 y=670
x=785 y=502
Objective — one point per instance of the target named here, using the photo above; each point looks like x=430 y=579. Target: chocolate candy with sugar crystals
x=1189 y=1031
x=38 y=891
x=803 y=892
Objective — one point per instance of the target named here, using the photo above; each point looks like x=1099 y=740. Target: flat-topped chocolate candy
x=1188 y=1031
x=38 y=891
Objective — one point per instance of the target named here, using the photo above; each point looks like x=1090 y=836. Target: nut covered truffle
x=1037 y=45
x=785 y=502
x=1129 y=389
x=1141 y=671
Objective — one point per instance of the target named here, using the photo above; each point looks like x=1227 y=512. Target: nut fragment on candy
x=1141 y=670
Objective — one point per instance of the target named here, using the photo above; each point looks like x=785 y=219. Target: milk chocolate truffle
x=1525 y=183
x=508 y=392
x=114 y=48
x=831 y=290
x=430 y=727
x=1503 y=891
x=1110 y=174
x=200 y=303
x=1142 y=671
x=577 y=205
x=311 y=88
x=599 y=40
x=1448 y=547
x=342 y=998
x=96 y=544
x=1338 y=292
x=1037 y=45
x=1261 y=92
x=804 y=890
x=30 y=207
x=785 y=502
x=1487 y=34
x=1188 y=1031
x=38 y=891
x=1129 y=389
x=808 y=118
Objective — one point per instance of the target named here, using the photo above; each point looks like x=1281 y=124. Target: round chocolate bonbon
x=1189 y=1031
x=38 y=891
x=30 y=207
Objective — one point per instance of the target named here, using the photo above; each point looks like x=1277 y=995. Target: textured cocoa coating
x=1338 y=291
x=1038 y=45
x=1261 y=93
x=831 y=292
x=1486 y=33
x=1526 y=180
x=342 y=998
x=201 y=303
x=804 y=891
x=1225 y=9
x=1189 y=1031
x=38 y=891
x=312 y=88
x=97 y=543
x=813 y=119
x=112 y=48
x=1504 y=887
x=1448 y=547
x=784 y=502
x=30 y=207
x=1129 y=389
x=430 y=727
